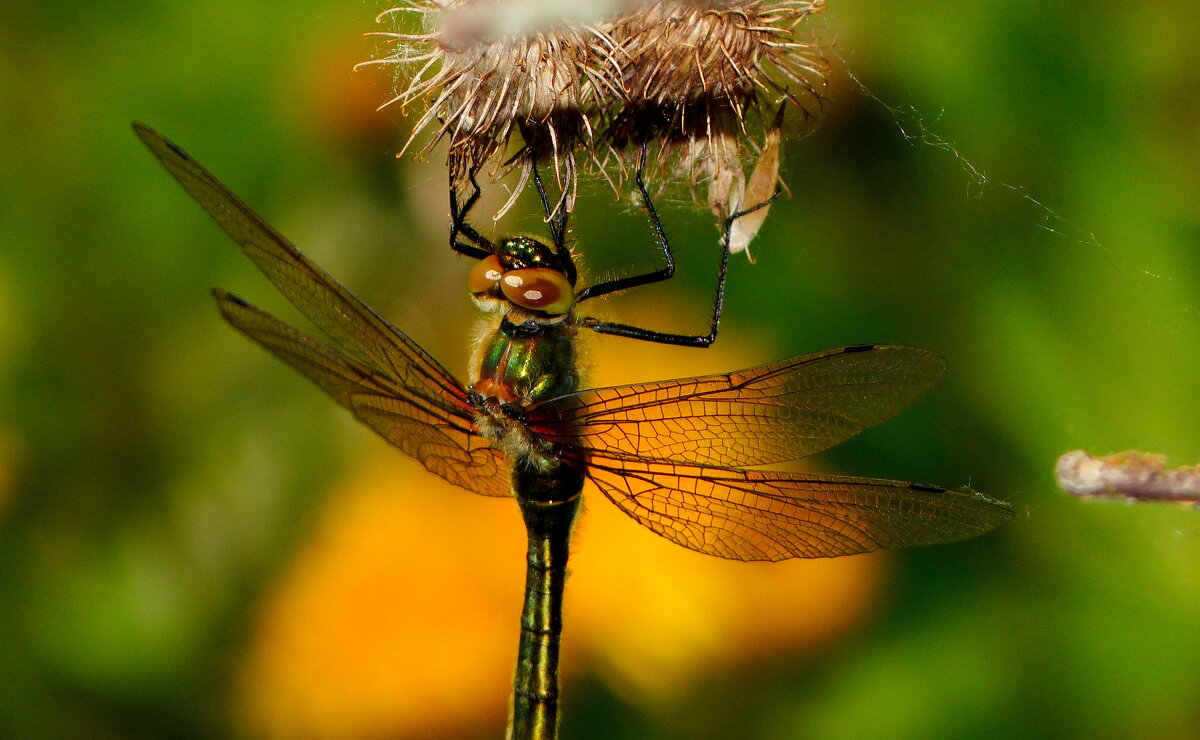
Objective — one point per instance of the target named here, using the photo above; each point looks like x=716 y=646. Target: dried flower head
x=695 y=81
x=698 y=74
x=485 y=69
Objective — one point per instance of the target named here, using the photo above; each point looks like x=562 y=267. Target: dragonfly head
x=524 y=273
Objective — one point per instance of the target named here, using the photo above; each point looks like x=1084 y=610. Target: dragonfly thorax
x=524 y=364
x=523 y=274
x=522 y=358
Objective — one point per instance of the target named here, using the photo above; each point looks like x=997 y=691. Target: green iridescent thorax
x=516 y=367
x=520 y=252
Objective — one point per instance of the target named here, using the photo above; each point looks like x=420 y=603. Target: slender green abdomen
x=548 y=522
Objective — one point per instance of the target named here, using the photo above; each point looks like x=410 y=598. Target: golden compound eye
x=538 y=288
x=485 y=277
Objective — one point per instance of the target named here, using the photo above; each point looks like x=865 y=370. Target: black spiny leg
x=458 y=224
x=556 y=220
x=660 y=236
x=686 y=340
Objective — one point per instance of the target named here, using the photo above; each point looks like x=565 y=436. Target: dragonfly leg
x=746 y=212
x=556 y=215
x=458 y=223
x=648 y=335
x=514 y=411
x=684 y=340
x=634 y=332
x=556 y=220
x=660 y=237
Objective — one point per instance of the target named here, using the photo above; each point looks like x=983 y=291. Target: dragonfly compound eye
x=538 y=288
x=484 y=280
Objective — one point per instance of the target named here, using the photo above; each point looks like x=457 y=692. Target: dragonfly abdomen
x=535 y=686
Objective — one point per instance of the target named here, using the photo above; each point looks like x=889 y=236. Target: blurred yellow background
x=195 y=542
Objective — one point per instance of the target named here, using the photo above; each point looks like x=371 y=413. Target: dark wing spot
x=859 y=348
x=182 y=154
x=231 y=297
x=927 y=489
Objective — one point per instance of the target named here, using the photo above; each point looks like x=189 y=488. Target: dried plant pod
x=1132 y=475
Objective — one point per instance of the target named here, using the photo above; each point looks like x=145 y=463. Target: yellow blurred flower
x=397 y=619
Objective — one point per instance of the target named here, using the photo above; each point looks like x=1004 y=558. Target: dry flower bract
x=697 y=81
x=755 y=198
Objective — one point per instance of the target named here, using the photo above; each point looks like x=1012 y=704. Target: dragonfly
x=673 y=455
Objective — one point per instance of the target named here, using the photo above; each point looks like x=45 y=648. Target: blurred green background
x=159 y=475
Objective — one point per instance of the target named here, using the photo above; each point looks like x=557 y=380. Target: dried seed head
x=693 y=80
x=702 y=78
x=684 y=59
x=487 y=68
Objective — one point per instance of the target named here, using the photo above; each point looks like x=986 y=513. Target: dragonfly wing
x=460 y=456
x=764 y=515
x=353 y=325
x=441 y=434
x=767 y=414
